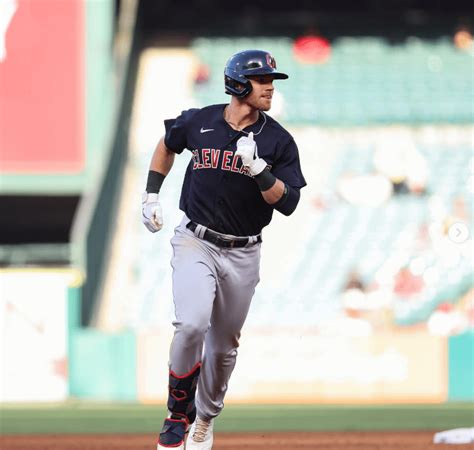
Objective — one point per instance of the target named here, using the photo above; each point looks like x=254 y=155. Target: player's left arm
x=275 y=192
x=280 y=194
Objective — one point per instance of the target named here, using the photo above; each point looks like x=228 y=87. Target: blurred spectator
x=399 y=169
x=407 y=284
x=357 y=189
x=367 y=306
x=354 y=281
x=202 y=74
x=446 y=320
x=312 y=49
x=467 y=304
x=397 y=158
x=353 y=294
x=463 y=38
x=325 y=200
x=365 y=190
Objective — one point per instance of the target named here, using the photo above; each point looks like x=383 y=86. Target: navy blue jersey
x=218 y=192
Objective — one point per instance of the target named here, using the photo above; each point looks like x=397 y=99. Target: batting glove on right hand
x=248 y=153
x=152 y=216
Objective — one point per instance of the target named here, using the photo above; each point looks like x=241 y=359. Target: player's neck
x=240 y=115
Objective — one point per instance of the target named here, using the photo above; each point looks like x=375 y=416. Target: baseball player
x=244 y=165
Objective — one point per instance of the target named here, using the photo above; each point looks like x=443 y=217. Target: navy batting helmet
x=247 y=63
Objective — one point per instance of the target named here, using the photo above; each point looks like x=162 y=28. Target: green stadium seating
x=366 y=80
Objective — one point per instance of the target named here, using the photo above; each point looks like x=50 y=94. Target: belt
x=224 y=241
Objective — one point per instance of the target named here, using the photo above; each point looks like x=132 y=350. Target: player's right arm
x=162 y=159
x=160 y=166
x=173 y=142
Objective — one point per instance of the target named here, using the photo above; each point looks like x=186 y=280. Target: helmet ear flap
x=236 y=88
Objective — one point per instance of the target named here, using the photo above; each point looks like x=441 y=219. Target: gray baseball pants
x=212 y=290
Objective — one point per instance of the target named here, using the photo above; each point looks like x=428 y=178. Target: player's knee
x=225 y=356
x=192 y=332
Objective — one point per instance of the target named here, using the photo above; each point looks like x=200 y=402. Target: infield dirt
x=231 y=441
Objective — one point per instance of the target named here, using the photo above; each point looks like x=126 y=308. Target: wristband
x=154 y=182
x=265 y=180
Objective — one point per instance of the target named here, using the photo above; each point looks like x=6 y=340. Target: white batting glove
x=152 y=216
x=247 y=151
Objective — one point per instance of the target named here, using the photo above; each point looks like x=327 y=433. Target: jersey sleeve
x=287 y=166
x=176 y=134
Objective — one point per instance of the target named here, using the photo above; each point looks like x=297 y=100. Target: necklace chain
x=246 y=132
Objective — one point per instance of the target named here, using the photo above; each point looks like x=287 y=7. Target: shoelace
x=200 y=430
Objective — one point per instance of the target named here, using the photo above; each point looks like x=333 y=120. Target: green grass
x=133 y=418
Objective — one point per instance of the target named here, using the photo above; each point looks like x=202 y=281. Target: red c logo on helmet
x=271 y=61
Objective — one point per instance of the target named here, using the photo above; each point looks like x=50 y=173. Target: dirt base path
x=231 y=441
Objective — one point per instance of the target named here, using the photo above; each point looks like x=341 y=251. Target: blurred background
x=366 y=292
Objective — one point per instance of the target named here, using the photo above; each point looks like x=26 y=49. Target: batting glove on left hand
x=247 y=151
x=152 y=216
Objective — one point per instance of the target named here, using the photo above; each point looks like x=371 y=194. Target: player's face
x=262 y=92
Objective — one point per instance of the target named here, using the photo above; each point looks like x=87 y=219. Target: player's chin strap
x=182 y=392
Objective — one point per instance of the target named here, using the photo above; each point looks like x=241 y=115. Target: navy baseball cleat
x=172 y=434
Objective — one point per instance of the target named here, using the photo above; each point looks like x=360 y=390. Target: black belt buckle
x=221 y=241
x=231 y=243
x=224 y=242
